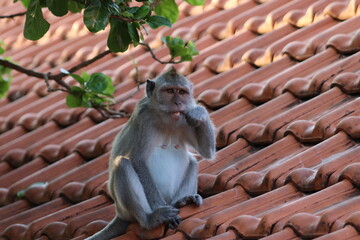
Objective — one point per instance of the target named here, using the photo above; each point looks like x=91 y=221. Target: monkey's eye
x=182 y=92
x=170 y=91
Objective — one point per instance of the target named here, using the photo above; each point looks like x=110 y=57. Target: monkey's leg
x=115 y=228
x=187 y=193
x=132 y=200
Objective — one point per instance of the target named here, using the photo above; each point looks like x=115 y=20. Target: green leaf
x=168 y=9
x=178 y=48
x=176 y=41
x=119 y=37
x=100 y=83
x=77 y=91
x=192 y=48
x=58 y=7
x=86 y=100
x=142 y=12
x=166 y=39
x=157 y=21
x=4 y=85
x=25 y=3
x=35 y=24
x=97 y=83
x=5 y=79
x=75 y=7
x=112 y=7
x=42 y=3
x=110 y=89
x=73 y=101
x=133 y=33
x=85 y=76
x=196 y=2
x=2 y=50
x=78 y=78
x=96 y=16
x=97 y=101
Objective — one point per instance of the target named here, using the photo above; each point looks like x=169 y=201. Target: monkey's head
x=171 y=93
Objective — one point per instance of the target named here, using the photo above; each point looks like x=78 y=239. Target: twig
x=14 y=15
x=49 y=88
x=145 y=29
x=32 y=73
x=154 y=56
x=83 y=64
x=129 y=96
x=108 y=113
x=122 y=18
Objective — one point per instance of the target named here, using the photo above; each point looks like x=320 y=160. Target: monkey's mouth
x=175 y=115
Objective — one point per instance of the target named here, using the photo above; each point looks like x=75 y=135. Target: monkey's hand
x=194 y=117
x=197 y=199
x=165 y=214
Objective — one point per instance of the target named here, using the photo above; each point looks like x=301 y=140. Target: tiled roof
x=280 y=79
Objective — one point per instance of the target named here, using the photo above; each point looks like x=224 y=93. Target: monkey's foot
x=165 y=214
x=197 y=199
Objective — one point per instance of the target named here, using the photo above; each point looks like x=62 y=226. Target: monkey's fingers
x=163 y=214
x=192 y=121
x=174 y=223
x=197 y=199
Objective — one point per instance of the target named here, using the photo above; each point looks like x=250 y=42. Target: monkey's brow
x=175 y=87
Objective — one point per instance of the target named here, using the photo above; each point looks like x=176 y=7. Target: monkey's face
x=174 y=100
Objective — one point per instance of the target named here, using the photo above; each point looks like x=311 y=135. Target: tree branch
x=104 y=110
x=48 y=76
x=14 y=15
x=154 y=56
x=32 y=73
x=83 y=64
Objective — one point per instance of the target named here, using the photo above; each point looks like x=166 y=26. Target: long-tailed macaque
x=151 y=170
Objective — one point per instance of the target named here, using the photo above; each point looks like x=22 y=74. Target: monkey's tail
x=116 y=227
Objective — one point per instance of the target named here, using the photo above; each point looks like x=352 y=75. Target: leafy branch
x=93 y=90
x=154 y=56
x=126 y=26
x=57 y=77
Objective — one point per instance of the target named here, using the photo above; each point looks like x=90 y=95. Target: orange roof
x=280 y=79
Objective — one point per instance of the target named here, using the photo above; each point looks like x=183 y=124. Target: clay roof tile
x=342 y=9
x=350 y=125
x=280 y=81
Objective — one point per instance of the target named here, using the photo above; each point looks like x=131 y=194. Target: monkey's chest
x=168 y=163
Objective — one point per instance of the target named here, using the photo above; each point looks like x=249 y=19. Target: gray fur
x=151 y=171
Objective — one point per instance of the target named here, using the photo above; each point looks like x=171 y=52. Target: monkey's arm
x=198 y=118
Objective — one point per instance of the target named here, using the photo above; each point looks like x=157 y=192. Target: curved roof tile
x=280 y=81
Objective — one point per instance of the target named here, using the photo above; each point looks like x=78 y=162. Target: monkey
x=152 y=168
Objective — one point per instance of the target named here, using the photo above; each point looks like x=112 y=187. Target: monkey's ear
x=150 y=86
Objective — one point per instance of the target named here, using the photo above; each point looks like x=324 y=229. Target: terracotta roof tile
x=348 y=232
x=280 y=79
